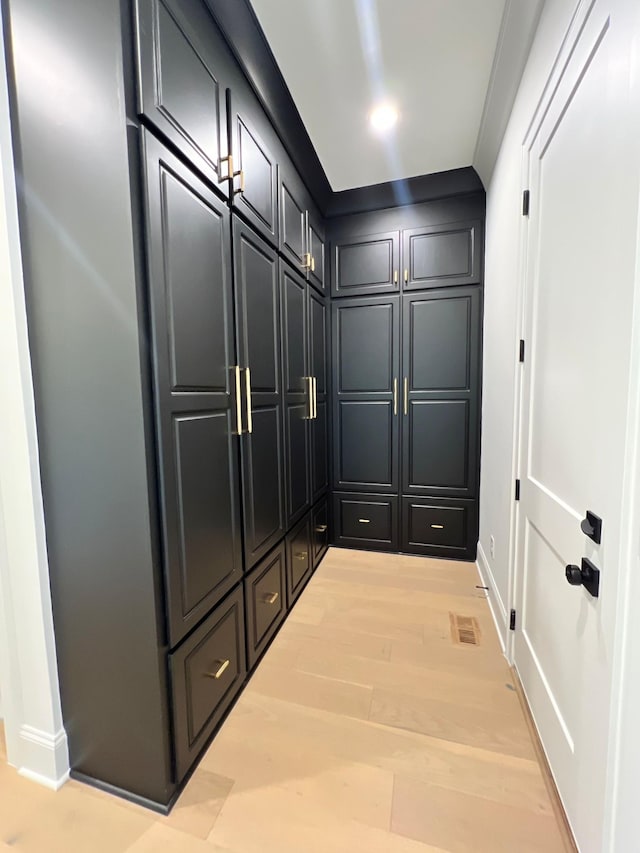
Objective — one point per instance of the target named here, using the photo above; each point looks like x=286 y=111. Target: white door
x=583 y=164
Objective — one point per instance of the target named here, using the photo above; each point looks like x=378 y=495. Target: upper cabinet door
x=316 y=247
x=191 y=304
x=366 y=362
x=255 y=184
x=258 y=333
x=441 y=369
x=367 y=264
x=442 y=255
x=183 y=71
x=293 y=220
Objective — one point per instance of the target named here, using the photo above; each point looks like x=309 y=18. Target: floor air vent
x=465 y=630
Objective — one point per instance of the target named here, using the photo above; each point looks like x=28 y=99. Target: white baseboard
x=496 y=605
x=44 y=757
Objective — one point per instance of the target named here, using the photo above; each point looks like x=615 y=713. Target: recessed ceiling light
x=383 y=117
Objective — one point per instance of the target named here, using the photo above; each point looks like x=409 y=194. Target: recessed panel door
x=581 y=272
x=293 y=220
x=190 y=296
x=298 y=389
x=259 y=355
x=366 y=265
x=366 y=361
x=440 y=392
x=442 y=255
x=184 y=68
x=316 y=247
x=319 y=423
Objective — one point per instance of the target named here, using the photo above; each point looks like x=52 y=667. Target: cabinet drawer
x=319 y=532
x=363 y=520
x=265 y=602
x=299 y=558
x=207 y=671
x=439 y=528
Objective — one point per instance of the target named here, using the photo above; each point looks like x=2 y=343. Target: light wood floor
x=365 y=728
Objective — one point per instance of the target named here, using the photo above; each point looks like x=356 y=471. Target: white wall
x=502 y=315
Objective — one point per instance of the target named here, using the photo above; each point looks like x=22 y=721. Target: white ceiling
x=433 y=58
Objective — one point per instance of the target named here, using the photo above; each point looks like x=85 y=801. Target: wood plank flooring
x=367 y=726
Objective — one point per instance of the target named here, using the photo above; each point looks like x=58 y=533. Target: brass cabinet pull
x=321 y=528
x=230 y=173
x=247 y=379
x=406 y=395
x=238 y=400
x=223 y=665
x=406 y=275
x=240 y=173
x=306 y=261
x=395 y=276
x=315 y=397
x=438 y=526
x=313 y=264
x=364 y=520
x=309 y=382
x=271 y=597
x=301 y=555
x=395 y=396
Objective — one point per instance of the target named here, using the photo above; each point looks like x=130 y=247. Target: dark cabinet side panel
x=263 y=446
x=367 y=264
x=189 y=262
x=184 y=70
x=442 y=255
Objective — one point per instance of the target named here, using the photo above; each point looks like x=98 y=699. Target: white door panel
x=581 y=247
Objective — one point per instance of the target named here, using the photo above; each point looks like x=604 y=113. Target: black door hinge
x=512 y=621
x=517 y=490
x=521 y=351
x=526 y=197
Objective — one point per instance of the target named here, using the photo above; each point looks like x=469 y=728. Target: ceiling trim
x=517 y=30
x=242 y=31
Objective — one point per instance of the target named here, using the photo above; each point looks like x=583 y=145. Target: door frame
x=620 y=812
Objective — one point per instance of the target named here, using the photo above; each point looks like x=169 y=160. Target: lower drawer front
x=298 y=558
x=319 y=531
x=439 y=528
x=265 y=602
x=207 y=671
x=362 y=520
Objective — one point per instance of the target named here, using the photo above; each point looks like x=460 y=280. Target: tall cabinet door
x=319 y=423
x=293 y=219
x=255 y=182
x=297 y=389
x=258 y=335
x=366 y=359
x=191 y=308
x=316 y=249
x=184 y=68
x=441 y=369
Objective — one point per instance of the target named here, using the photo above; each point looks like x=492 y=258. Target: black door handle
x=591 y=526
x=586 y=575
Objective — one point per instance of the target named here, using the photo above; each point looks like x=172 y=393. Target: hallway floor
x=373 y=724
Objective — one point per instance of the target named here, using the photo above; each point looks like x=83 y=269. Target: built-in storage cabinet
x=442 y=255
x=265 y=593
x=254 y=167
x=319 y=532
x=299 y=559
x=207 y=672
x=366 y=264
x=191 y=302
x=366 y=370
x=440 y=371
x=439 y=527
x=366 y=521
x=319 y=420
x=293 y=219
x=185 y=68
x=316 y=262
x=257 y=294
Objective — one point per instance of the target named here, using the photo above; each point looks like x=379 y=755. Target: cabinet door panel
x=320 y=450
x=316 y=249
x=367 y=264
x=319 y=532
x=193 y=353
x=265 y=601
x=258 y=335
x=293 y=221
x=366 y=521
x=318 y=342
x=184 y=70
x=442 y=255
x=299 y=559
x=255 y=193
x=366 y=351
x=295 y=347
x=319 y=426
x=440 y=528
x=441 y=361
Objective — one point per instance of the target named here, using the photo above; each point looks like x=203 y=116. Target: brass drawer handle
x=240 y=173
x=223 y=665
x=313 y=264
x=306 y=261
x=321 y=528
x=364 y=520
x=238 y=400
x=301 y=555
x=438 y=526
x=271 y=597
x=406 y=275
x=230 y=173
x=247 y=376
